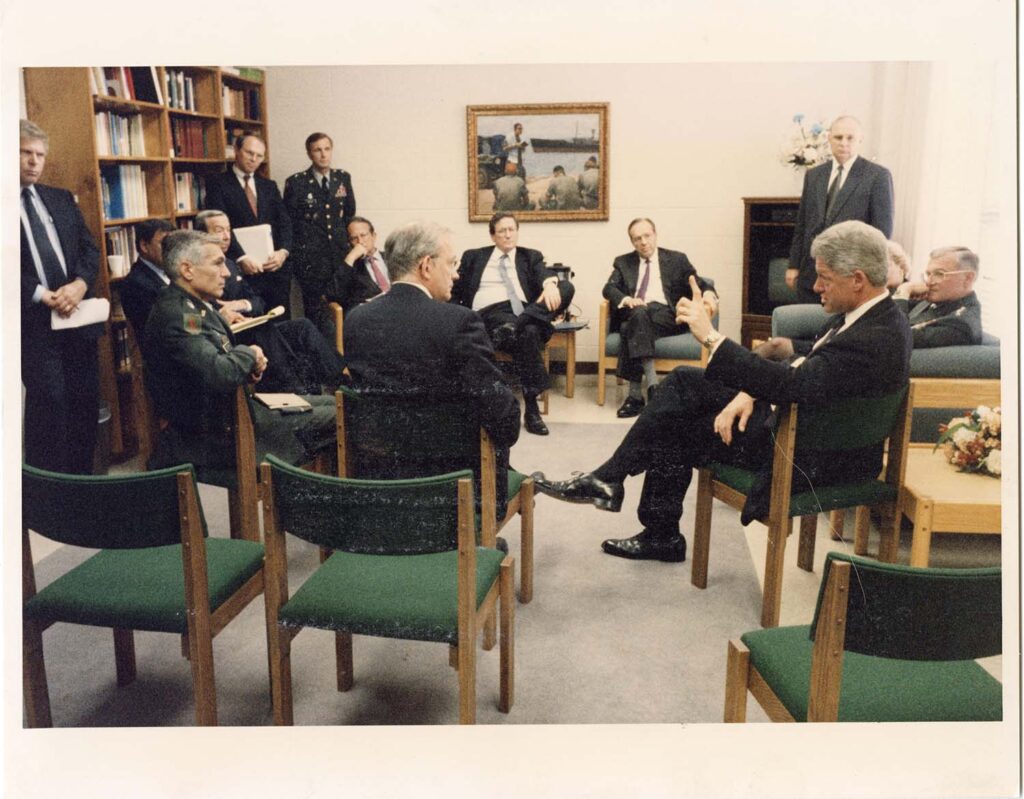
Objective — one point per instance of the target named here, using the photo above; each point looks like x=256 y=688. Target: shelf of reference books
x=183 y=113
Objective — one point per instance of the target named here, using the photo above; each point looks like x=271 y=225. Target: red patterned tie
x=377 y=274
x=250 y=195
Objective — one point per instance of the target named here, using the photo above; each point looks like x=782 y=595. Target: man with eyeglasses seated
x=947 y=311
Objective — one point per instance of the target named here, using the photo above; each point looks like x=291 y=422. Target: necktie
x=324 y=183
x=506 y=278
x=838 y=323
x=52 y=269
x=641 y=292
x=833 y=190
x=378 y=275
x=250 y=195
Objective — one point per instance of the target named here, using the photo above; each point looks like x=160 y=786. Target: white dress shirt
x=492 y=287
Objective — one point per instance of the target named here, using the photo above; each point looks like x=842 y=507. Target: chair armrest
x=798 y=321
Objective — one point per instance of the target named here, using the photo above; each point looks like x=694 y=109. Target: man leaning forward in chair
x=725 y=414
x=194 y=366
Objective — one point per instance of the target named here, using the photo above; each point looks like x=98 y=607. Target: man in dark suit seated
x=249 y=199
x=412 y=343
x=724 y=413
x=518 y=297
x=643 y=289
x=147 y=278
x=363 y=273
x=848 y=187
x=300 y=359
x=946 y=311
x=59 y=368
x=194 y=365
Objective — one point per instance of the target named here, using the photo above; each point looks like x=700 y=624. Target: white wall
x=687 y=142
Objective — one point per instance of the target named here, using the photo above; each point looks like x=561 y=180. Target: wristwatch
x=712 y=338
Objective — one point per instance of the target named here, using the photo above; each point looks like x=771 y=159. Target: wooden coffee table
x=939 y=499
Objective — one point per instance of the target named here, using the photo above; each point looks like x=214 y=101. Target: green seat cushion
x=823 y=499
x=390 y=596
x=876 y=689
x=143 y=589
x=515 y=482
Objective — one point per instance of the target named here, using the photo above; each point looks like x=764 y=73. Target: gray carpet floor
x=604 y=640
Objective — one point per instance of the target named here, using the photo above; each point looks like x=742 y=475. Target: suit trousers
x=675 y=434
x=639 y=328
x=61 y=377
x=275 y=288
x=299 y=359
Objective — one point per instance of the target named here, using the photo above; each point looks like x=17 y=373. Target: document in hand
x=88 y=312
x=257 y=241
x=286 y=403
x=256 y=321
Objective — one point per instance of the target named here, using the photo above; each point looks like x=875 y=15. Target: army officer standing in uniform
x=320 y=202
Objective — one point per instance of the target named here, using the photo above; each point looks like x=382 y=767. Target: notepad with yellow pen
x=285 y=403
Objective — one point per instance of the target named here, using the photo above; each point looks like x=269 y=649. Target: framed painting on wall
x=545 y=162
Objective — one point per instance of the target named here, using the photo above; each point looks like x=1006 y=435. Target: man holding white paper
x=59 y=368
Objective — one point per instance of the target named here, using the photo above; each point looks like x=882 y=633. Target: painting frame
x=555 y=129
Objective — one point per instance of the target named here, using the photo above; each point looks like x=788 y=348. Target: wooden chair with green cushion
x=156 y=571
x=396 y=437
x=404 y=564
x=888 y=643
x=840 y=427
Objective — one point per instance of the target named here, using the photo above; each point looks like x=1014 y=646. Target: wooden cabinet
x=166 y=151
x=768 y=224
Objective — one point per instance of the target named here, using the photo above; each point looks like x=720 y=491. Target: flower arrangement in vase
x=973 y=443
x=807 y=145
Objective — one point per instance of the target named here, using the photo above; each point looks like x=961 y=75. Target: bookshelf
x=136 y=143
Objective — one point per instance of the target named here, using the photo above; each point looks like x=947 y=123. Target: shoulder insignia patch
x=193 y=323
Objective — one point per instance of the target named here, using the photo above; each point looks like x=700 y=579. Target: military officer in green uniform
x=193 y=367
x=320 y=202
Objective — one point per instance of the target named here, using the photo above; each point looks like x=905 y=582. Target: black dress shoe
x=582 y=488
x=503 y=336
x=534 y=424
x=631 y=407
x=644 y=546
x=501 y=545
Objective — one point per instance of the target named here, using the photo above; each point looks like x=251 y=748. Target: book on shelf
x=144 y=84
x=189 y=191
x=120 y=241
x=123 y=189
x=251 y=73
x=119 y=134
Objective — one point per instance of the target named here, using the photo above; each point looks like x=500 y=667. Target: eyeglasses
x=941 y=274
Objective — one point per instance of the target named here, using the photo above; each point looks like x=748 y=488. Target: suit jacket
x=944 y=324
x=81 y=257
x=866 y=196
x=319 y=224
x=236 y=287
x=675 y=268
x=870 y=358
x=224 y=192
x=138 y=293
x=530 y=269
x=350 y=286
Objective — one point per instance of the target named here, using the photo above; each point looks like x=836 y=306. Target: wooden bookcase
x=768 y=224
x=62 y=102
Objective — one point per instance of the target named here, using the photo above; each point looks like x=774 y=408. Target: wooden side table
x=939 y=499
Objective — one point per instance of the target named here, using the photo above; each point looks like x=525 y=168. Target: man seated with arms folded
x=945 y=310
x=644 y=288
x=147 y=278
x=518 y=297
x=724 y=413
x=363 y=273
x=301 y=359
x=947 y=314
x=194 y=366
x=413 y=343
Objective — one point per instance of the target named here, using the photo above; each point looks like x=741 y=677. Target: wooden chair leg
x=201 y=660
x=889 y=533
x=124 y=656
x=37 y=695
x=600 y=380
x=771 y=601
x=526 y=503
x=861 y=530
x=343 y=654
x=467 y=682
x=184 y=645
x=702 y=530
x=805 y=549
x=506 y=680
x=453 y=656
x=836 y=523
x=547 y=392
x=737 y=670
x=279 y=641
x=490 y=636
x=243 y=512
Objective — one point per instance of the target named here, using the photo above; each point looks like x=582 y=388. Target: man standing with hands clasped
x=848 y=187
x=724 y=413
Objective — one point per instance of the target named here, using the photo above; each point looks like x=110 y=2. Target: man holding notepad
x=194 y=365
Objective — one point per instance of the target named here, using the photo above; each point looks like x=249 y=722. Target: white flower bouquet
x=807 y=145
x=973 y=443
